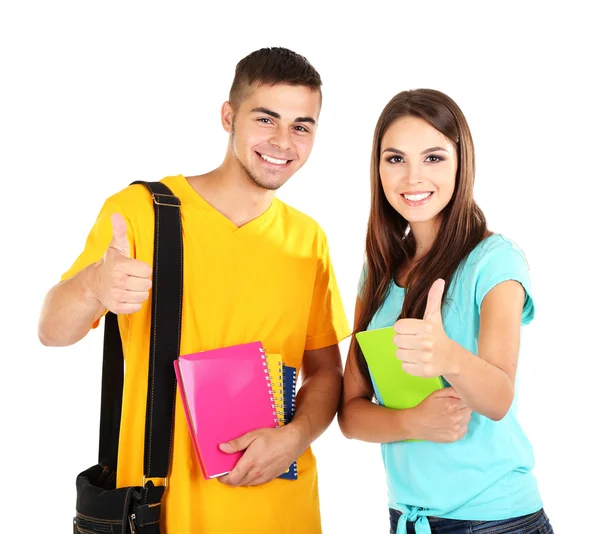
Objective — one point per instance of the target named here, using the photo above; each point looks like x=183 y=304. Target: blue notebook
x=289 y=408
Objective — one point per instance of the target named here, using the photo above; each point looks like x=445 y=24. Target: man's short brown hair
x=272 y=66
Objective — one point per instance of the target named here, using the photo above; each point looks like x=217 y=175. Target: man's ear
x=227 y=117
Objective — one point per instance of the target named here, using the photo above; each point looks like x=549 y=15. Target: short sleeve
x=505 y=262
x=327 y=323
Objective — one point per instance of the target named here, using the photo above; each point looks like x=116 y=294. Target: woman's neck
x=424 y=234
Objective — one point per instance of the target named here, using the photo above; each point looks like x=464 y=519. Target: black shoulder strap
x=165 y=334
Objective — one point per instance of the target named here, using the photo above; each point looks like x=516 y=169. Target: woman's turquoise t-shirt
x=487 y=475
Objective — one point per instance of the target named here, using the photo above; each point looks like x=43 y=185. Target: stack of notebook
x=230 y=391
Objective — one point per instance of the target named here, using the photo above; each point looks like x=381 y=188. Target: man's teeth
x=416 y=198
x=273 y=160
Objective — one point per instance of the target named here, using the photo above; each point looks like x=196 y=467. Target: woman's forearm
x=484 y=388
x=363 y=420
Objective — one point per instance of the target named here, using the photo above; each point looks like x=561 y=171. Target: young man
x=254 y=269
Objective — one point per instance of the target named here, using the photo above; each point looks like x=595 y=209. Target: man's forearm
x=69 y=311
x=316 y=404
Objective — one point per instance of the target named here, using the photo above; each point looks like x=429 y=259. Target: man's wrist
x=299 y=430
x=89 y=276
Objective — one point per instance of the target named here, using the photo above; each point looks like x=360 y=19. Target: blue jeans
x=536 y=523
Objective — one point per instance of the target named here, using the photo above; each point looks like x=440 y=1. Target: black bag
x=101 y=508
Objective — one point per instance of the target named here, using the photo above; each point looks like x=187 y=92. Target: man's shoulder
x=300 y=220
x=134 y=199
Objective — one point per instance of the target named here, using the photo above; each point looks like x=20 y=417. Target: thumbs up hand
x=121 y=283
x=423 y=346
x=119 y=242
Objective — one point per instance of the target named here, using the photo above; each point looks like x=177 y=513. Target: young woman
x=457 y=295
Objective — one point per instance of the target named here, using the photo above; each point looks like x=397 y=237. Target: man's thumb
x=119 y=240
x=434 y=298
x=239 y=444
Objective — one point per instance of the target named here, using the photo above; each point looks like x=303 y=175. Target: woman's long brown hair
x=389 y=242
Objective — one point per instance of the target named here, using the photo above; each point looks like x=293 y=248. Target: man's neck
x=232 y=194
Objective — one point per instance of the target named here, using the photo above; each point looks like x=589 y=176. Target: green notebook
x=397 y=388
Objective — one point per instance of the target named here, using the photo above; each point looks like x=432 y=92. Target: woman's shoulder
x=495 y=250
x=495 y=260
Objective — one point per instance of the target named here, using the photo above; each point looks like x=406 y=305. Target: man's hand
x=269 y=453
x=120 y=283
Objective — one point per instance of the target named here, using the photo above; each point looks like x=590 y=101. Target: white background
x=96 y=95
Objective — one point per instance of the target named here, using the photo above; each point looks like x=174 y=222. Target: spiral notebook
x=275 y=366
x=226 y=393
x=289 y=408
x=283 y=381
x=396 y=387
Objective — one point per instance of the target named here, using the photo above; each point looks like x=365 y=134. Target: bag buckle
x=154 y=479
x=166 y=200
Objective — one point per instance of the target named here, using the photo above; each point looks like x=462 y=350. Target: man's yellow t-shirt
x=269 y=280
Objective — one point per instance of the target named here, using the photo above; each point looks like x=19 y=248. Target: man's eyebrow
x=276 y=115
x=305 y=119
x=267 y=112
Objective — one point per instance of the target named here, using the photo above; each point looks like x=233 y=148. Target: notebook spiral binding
x=289 y=378
x=289 y=386
x=272 y=392
x=279 y=393
x=293 y=399
x=294 y=466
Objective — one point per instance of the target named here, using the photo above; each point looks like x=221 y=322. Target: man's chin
x=266 y=183
x=266 y=180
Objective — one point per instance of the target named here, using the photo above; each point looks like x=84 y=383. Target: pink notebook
x=226 y=392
